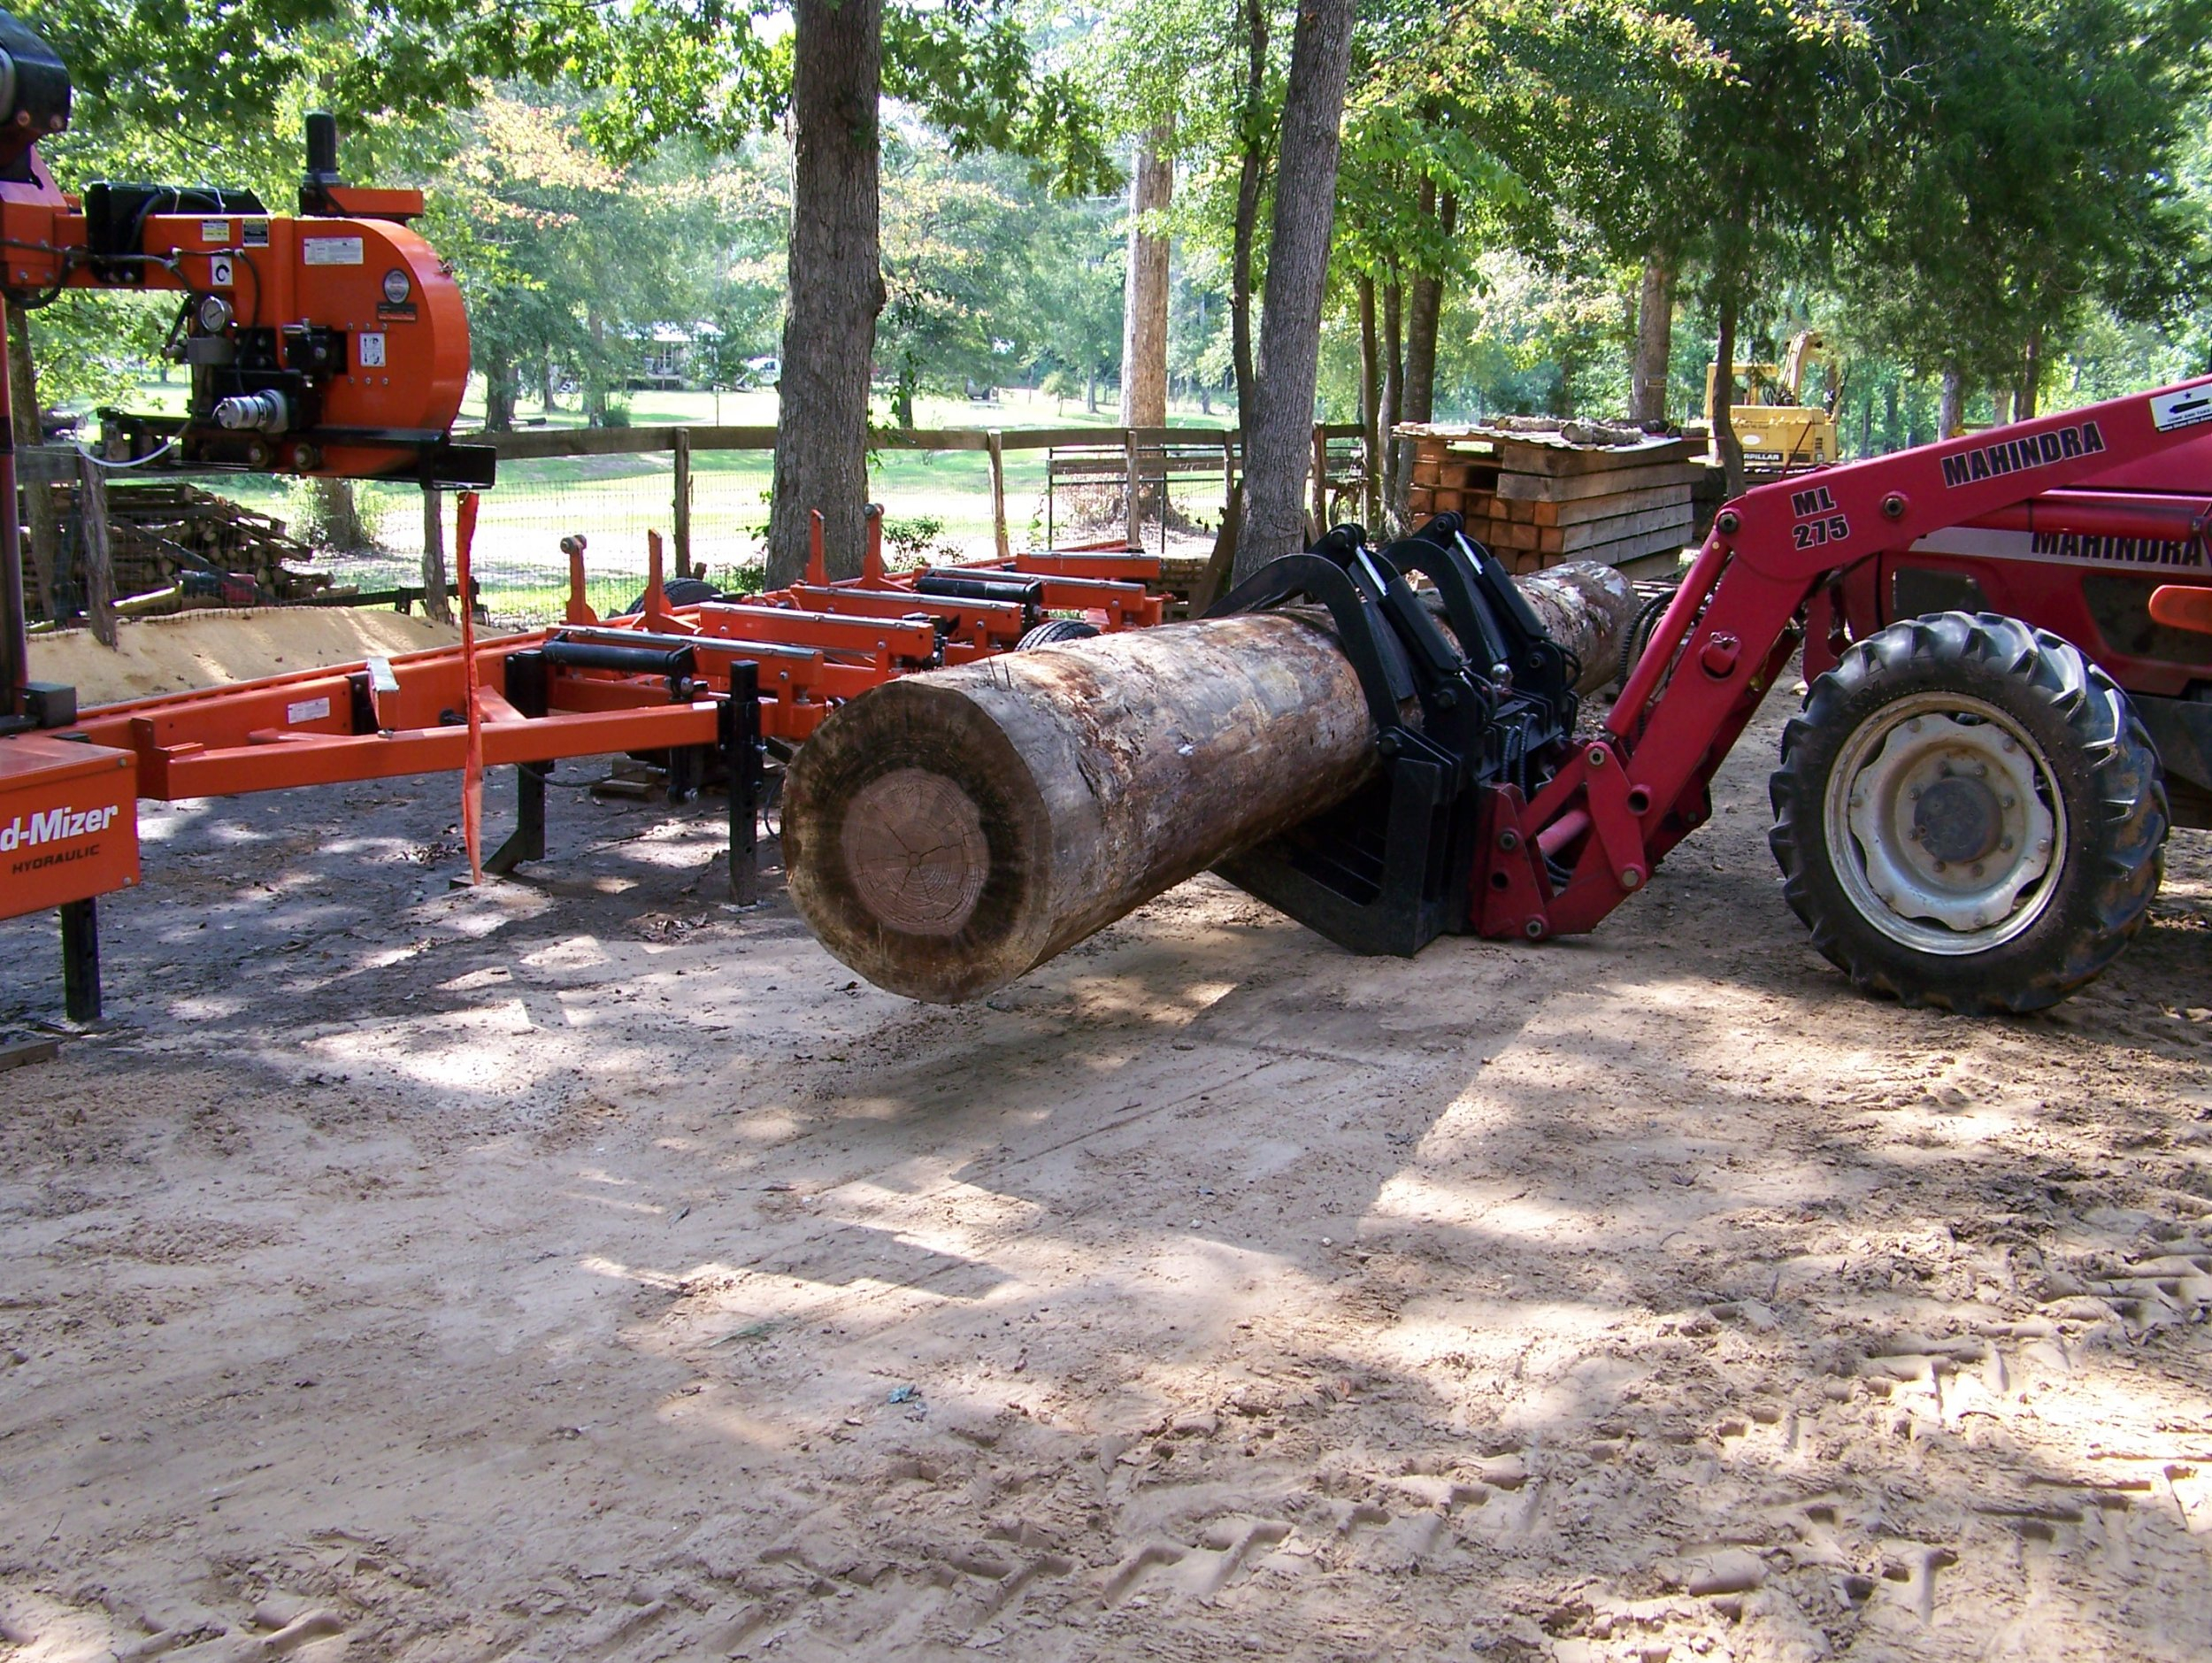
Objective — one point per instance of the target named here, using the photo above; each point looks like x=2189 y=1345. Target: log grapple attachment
x=1468 y=694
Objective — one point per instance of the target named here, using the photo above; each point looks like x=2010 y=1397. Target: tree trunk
x=836 y=287
x=1951 y=408
x=1655 y=341
x=948 y=831
x=1424 y=310
x=1090 y=391
x=1397 y=468
x=1144 y=305
x=595 y=374
x=1370 y=396
x=340 y=513
x=2000 y=407
x=42 y=525
x=500 y=391
x=1144 y=310
x=1278 y=435
x=547 y=402
x=99 y=564
x=2029 y=392
x=1891 y=439
x=1725 y=441
x=1251 y=174
x=436 y=603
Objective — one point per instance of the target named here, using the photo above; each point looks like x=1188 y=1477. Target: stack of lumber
x=1538 y=493
x=164 y=534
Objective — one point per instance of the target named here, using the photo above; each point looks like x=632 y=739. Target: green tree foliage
x=2035 y=183
x=566 y=258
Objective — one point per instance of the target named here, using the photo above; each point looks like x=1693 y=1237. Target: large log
x=946 y=832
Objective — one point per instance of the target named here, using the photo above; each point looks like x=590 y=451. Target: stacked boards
x=1537 y=497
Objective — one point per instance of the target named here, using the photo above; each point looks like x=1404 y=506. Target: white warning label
x=2182 y=408
x=308 y=710
x=330 y=250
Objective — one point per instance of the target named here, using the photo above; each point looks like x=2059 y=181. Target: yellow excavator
x=1779 y=432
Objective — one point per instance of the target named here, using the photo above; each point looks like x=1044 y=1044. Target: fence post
x=435 y=603
x=1320 y=480
x=99 y=568
x=996 y=442
x=1136 y=501
x=683 y=504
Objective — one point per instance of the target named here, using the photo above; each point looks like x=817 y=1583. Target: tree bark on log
x=947 y=832
x=836 y=287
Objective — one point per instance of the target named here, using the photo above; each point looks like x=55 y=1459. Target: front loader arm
x=1590 y=837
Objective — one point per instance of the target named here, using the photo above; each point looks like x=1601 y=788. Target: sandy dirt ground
x=194 y=650
x=579 y=1268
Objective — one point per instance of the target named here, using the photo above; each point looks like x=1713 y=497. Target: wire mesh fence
x=968 y=496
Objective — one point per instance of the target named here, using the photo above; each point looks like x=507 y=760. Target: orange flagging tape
x=472 y=769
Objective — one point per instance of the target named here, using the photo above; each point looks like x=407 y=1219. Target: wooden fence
x=1150 y=455
x=1142 y=461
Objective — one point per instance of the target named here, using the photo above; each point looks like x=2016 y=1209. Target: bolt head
x=1533 y=929
x=1631 y=877
x=1509 y=840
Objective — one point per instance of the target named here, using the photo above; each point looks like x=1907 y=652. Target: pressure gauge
x=396 y=287
x=213 y=314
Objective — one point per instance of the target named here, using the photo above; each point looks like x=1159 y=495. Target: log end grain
x=916 y=842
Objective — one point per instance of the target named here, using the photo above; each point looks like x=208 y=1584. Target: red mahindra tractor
x=2007 y=708
x=2008 y=640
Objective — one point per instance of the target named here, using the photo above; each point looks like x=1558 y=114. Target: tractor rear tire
x=1969 y=815
x=1053 y=631
x=677 y=591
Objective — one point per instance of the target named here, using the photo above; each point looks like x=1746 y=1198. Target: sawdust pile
x=203 y=649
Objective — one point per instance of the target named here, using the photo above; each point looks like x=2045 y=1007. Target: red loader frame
x=1779 y=561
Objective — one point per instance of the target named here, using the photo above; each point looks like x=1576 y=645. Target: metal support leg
x=525 y=674
x=526 y=842
x=739 y=739
x=81 y=960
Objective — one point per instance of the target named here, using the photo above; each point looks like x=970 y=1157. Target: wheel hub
x=1958 y=819
x=1948 y=809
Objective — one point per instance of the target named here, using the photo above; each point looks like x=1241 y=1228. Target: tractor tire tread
x=2121 y=815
